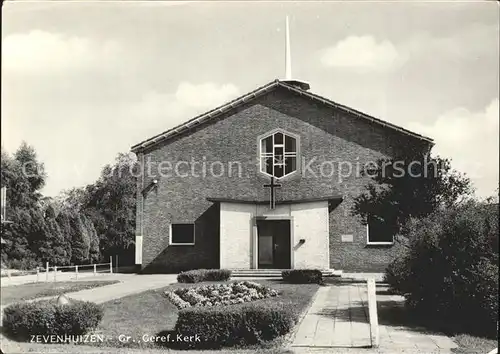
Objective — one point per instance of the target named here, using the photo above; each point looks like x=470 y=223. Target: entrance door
x=273 y=244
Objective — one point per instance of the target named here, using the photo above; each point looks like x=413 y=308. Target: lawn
x=31 y=291
x=150 y=312
x=470 y=344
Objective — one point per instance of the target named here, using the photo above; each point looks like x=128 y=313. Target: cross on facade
x=272 y=186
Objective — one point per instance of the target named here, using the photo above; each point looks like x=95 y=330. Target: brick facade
x=327 y=136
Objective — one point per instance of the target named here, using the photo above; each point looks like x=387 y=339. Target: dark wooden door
x=274 y=244
x=281 y=238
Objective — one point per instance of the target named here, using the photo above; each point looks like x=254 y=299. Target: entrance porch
x=294 y=235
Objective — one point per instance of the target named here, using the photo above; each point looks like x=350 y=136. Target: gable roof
x=148 y=143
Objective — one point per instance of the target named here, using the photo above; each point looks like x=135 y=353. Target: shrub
x=246 y=324
x=78 y=317
x=397 y=275
x=198 y=275
x=450 y=272
x=302 y=276
x=22 y=264
x=46 y=317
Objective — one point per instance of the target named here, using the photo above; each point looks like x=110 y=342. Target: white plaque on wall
x=347 y=238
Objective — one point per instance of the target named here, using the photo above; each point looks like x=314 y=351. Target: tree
x=8 y=168
x=63 y=219
x=53 y=246
x=94 y=252
x=31 y=169
x=19 y=192
x=410 y=186
x=71 y=200
x=80 y=239
x=16 y=252
x=24 y=176
x=110 y=203
x=43 y=229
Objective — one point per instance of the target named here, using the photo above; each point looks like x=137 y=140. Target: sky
x=84 y=81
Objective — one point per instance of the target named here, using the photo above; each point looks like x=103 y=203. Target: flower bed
x=219 y=294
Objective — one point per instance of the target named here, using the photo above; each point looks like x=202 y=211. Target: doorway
x=273 y=240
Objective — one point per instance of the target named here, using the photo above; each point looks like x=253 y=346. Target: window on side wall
x=377 y=232
x=181 y=234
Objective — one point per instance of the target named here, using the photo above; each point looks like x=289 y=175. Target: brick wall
x=326 y=136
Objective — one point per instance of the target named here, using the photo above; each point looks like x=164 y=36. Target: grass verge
x=471 y=344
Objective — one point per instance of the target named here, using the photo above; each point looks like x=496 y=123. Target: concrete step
x=257 y=274
x=335 y=273
x=274 y=273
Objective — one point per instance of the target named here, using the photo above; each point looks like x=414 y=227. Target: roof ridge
x=203 y=115
x=357 y=112
x=259 y=91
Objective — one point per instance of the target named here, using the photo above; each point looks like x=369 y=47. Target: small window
x=378 y=233
x=182 y=234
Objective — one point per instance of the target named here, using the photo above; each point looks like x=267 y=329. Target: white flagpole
x=288 y=56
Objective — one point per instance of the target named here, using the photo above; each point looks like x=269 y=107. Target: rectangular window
x=182 y=234
x=378 y=233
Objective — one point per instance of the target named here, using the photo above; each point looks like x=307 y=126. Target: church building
x=265 y=181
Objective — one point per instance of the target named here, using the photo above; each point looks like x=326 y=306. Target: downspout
x=140 y=219
x=143 y=197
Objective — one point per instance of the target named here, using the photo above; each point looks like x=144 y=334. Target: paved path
x=337 y=321
x=379 y=277
x=129 y=284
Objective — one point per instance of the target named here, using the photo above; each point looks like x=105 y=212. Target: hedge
x=46 y=317
x=199 y=275
x=302 y=276
x=449 y=274
x=246 y=324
